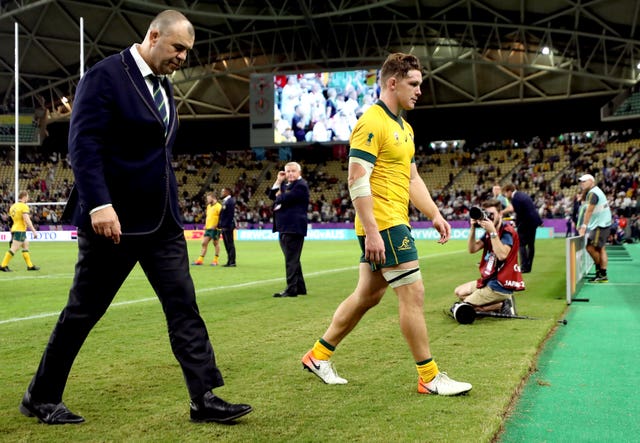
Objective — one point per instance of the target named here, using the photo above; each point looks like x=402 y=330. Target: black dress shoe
x=229 y=265
x=211 y=408
x=49 y=413
x=284 y=294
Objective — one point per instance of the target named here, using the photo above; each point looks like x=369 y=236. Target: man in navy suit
x=527 y=222
x=290 y=193
x=227 y=225
x=125 y=205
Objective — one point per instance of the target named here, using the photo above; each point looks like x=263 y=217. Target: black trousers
x=229 y=245
x=101 y=269
x=527 y=236
x=291 y=245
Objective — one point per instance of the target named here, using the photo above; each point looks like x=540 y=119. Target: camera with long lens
x=477 y=213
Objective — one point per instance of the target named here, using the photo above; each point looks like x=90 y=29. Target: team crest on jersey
x=369 y=138
x=405 y=245
x=396 y=136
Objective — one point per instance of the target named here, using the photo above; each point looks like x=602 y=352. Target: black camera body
x=477 y=213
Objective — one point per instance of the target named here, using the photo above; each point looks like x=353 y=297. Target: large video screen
x=310 y=107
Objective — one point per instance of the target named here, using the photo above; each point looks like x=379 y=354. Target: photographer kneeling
x=499 y=271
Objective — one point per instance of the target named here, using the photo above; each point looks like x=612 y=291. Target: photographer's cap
x=586 y=177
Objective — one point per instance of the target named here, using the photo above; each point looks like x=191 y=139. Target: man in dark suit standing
x=527 y=222
x=125 y=205
x=227 y=225
x=290 y=193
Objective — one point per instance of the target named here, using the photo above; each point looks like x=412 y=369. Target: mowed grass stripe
x=199 y=291
x=129 y=387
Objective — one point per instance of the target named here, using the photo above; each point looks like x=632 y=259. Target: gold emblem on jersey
x=405 y=245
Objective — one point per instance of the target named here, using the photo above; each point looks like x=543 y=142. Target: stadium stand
x=631 y=106
x=624 y=106
x=458 y=178
x=29 y=131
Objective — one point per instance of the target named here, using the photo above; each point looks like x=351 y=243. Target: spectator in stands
x=4 y=221
x=290 y=195
x=227 y=225
x=290 y=97
x=616 y=233
x=497 y=194
x=125 y=206
x=499 y=274
x=19 y=213
x=298 y=123
x=576 y=204
x=527 y=222
x=211 y=230
x=634 y=224
x=597 y=222
x=331 y=105
x=286 y=136
x=383 y=179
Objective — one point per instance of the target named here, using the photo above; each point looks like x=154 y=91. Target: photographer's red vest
x=508 y=271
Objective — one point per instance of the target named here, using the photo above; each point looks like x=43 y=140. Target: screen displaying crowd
x=321 y=107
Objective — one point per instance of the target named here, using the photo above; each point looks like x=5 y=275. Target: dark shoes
x=284 y=294
x=229 y=265
x=211 y=408
x=48 y=413
x=30 y=268
x=508 y=307
x=206 y=409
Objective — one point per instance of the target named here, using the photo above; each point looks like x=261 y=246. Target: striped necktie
x=159 y=100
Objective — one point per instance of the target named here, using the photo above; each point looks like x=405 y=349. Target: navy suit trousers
x=101 y=269
x=291 y=245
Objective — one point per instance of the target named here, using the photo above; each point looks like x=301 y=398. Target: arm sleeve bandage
x=361 y=186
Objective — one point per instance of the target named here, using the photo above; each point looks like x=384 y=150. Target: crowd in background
x=321 y=107
x=617 y=173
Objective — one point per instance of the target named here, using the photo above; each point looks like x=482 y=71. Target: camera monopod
x=521 y=317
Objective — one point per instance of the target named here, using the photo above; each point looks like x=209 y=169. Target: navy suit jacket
x=227 y=214
x=290 y=207
x=118 y=149
x=527 y=214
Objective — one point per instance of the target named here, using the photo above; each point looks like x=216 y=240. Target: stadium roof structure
x=475 y=52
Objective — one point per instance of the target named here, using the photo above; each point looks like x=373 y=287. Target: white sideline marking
x=36 y=277
x=198 y=291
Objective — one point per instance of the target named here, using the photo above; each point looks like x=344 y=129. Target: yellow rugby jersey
x=213 y=215
x=386 y=141
x=16 y=211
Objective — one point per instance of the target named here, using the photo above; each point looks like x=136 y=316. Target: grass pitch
x=128 y=386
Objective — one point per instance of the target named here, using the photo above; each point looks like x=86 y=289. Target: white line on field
x=198 y=291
